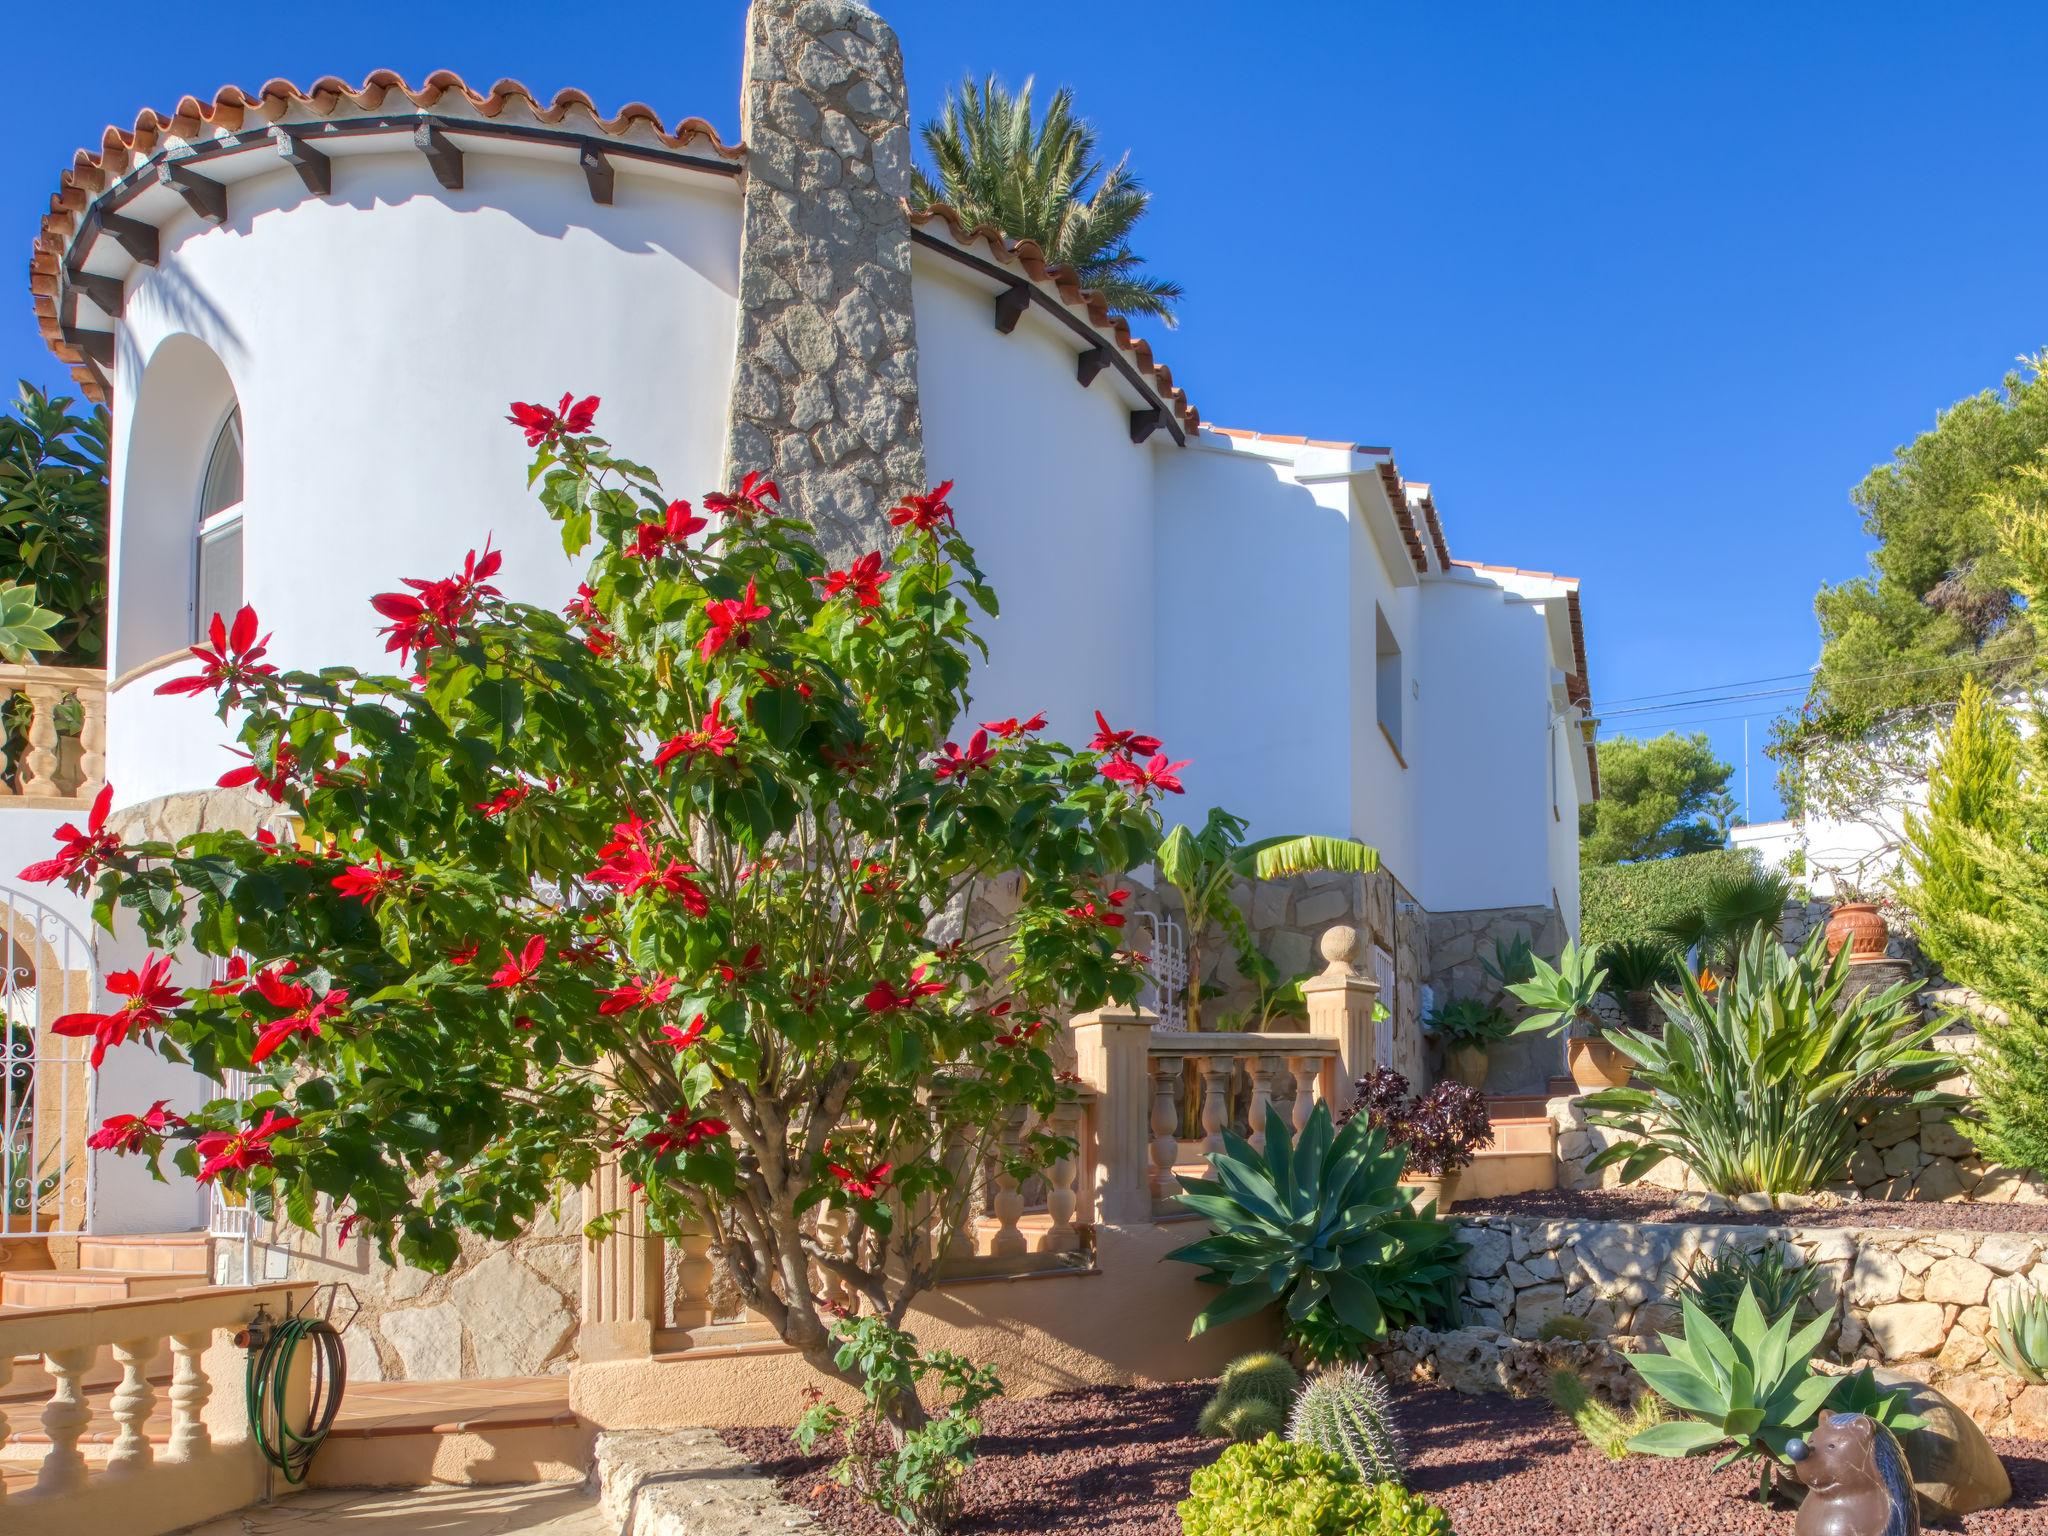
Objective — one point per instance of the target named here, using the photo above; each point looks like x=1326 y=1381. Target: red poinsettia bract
x=276 y=784
x=682 y=1037
x=732 y=622
x=755 y=491
x=862 y=1186
x=711 y=736
x=924 y=512
x=1122 y=744
x=884 y=998
x=631 y=864
x=80 y=853
x=433 y=611
x=571 y=418
x=241 y=1150
x=677 y=524
x=304 y=1013
x=367 y=882
x=1157 y=774
x=1012 y=728
x=952 y=763
x=150 y=996
x=133 y=1133
x=637 y=993
x=1107 y=915
x=521 y=968
x=233 y=660
x=863 y=581
x=683 y=1132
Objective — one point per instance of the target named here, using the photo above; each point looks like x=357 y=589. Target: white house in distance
x=307 y=309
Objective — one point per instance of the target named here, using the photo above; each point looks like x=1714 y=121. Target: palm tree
x=1041 y=180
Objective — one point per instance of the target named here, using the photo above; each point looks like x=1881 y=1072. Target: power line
x=1747 y=682
x=1960 y=664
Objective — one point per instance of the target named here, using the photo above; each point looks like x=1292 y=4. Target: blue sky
x=1641 y=290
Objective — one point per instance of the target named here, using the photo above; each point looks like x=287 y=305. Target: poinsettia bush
x=682 y=874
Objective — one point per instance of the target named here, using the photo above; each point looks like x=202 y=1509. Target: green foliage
x=24 y=626
x=1636 y=901
x=1565 y=1326
x=1607 y=1428
x=1205 y=867
x=1758 y=1086
x=1347 y=1410
x=1251 y=1398
x=1657 y=798
x=1286 y=1488
x=1468 y=1021
x=911 y=1475
x=2019 y=1333
x=743 y=977
x=1561 y=995
x=1971 y=786
x=1716 y=1283
x=1323 y=1230
x=53 y=523
x=1039 y=179
x=1937 y=605
x=1512 y=962
x=1244 y=1418
x=1735 y=906
x=1861 y=1392
x=1638 y=964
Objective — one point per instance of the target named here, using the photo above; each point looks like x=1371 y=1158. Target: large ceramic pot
x=1466 y=1063
x=1859 y=925
x=1427 y=1187
x=1595 y=1065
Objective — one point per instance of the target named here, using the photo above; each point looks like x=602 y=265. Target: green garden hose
x=267 y=1387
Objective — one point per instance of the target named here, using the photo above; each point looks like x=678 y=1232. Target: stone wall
x=1459 y=943
x=1919 y=1301
x=825 y=377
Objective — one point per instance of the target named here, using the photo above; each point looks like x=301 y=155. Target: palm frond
x=1274 y=858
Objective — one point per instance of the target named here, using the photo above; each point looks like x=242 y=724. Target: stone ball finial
x=1340 y=947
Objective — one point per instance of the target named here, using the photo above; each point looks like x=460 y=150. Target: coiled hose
x=267 y=1387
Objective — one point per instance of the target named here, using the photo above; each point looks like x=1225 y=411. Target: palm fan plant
x=996 y=162
x=1758 y=1085
x=1732 y=909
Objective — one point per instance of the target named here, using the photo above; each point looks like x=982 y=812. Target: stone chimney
x=825 y=379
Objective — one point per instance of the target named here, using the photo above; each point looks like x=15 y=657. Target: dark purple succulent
x=1440 y=1131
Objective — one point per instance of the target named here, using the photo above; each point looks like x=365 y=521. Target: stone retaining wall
x=1917 y=1300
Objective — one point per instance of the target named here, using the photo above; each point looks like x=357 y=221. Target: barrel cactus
x=1251 y=1398
x=1346 y=1410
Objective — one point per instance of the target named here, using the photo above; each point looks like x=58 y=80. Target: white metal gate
x=46 y=1086
x=1166 y=967
x=230 y=1220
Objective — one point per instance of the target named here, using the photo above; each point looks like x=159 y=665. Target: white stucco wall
x=374 y=339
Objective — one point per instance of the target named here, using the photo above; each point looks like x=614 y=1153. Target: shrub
x=1635 y=901
x=1251 y=1398
x=1468 y=1021
x=1758 y=1086
x=1640 y=963
x=1735 y=906
x=1347 y=1409
x=2019 y=1333
x=912 y=1476
x=1284 y=1488
x=1716 y=1284
x=1607 y=1429
x=1439 y=1132
x=1324 y=1231
x=1562 y=995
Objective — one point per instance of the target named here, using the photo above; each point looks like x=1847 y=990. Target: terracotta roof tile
x=1419 y=492
x=1028 y=256
x=1301 y=442
x=92 y=171
x=1404 y=516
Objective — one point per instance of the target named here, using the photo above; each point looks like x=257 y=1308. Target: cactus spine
x=1346 y=1410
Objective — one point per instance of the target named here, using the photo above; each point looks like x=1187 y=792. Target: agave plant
x=1322 y=1229
x=1752 y=1387
x=1468 y=1021
x=1512 y=962
x=1717 y=1283
x=1563 y=994
x=2019 y=1333
x=1758 y=1086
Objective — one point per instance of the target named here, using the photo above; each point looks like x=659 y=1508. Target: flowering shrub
x=1440 y=1131
x=681 y=874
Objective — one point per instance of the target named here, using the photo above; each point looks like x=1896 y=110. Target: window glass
x=223 y=487
x=217 y=579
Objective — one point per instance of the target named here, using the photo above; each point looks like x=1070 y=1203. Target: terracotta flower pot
x=1443 y=1190
x=1859 y=925
x=1595 y=1065
x=1466 y=1064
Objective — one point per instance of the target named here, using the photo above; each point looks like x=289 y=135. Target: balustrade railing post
x=622 y=1281
x=6 y=1375
x=39 y=779
x=1307 y=1074
x=190 y=1391
x=1009 y=1202
x=1166 y=1072
x=693 y=1277
x=1112 y=1056
x=1059 y=1235
x=130 y=1405
x=1217 y=1072
x=65 y=1417
x=1340 y=1004
x=1264 y=1070
x=92 y=742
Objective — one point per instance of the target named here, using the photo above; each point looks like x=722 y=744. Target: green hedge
x=1627 y=901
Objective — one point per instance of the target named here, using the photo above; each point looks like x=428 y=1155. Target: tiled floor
x=517 y=1510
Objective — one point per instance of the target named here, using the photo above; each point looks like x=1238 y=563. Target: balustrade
x=53 y=730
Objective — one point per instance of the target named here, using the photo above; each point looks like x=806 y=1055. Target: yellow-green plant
x=1607 y=1429
x=1971 y=786
x=1277 y=1487
x=2019 y=1333
x=1251 y=1398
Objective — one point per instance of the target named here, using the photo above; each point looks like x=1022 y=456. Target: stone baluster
x=1009 y=1202
x=622 y=1280
x=1308 y=1083
x=833 y=1226
x=92 y=743
x=1112 y=1056
x=956 y=1205
x=131 y=1404
x=1059 y=1235
x=39 y=775
x=1216 y=1074
x=693 y=1276
x=65 y=1416
x=1264 y=1070
x=1340 y=1003
x=1165 y=1126
x=189 y=1393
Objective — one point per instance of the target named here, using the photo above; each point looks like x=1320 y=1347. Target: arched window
x=218 y=587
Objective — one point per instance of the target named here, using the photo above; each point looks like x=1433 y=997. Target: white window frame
x=212 y=525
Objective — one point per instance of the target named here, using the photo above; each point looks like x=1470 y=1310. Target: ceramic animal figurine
x=1856 y=1480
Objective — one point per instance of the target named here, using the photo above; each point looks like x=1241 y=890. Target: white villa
x=307 y=309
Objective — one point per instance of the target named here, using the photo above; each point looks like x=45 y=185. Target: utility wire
x=1706 y=697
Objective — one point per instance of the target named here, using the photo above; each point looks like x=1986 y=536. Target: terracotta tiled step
x=1523 y=1134
x=182 y=1253
x=407 y=1434
x=1517 y=1106
x=1508 y=1173
x=86 y=1287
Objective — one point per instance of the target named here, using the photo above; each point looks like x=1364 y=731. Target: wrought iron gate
x=46 y=1087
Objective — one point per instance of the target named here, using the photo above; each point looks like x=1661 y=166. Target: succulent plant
x=1438 y=1132
x=1242 y=1419
x=1346 y=1410
x=2019 y=1333
x=1260 y=1374
x=1717 y=1283
x=1606 y=1428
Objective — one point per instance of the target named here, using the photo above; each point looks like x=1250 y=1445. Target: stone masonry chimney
x=825 y=378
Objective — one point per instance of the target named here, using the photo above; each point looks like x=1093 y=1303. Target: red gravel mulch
x=1641 y=1204
x=1114 y=1461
